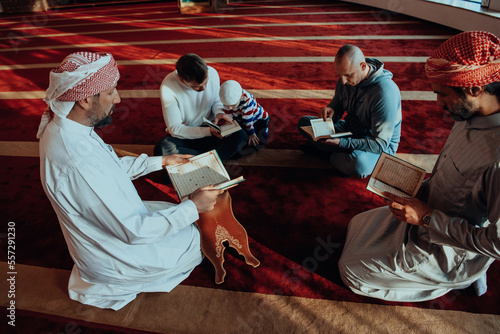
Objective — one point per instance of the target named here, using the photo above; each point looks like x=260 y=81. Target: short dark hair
x=492 y=89
x=192 y=67
x=345 y=49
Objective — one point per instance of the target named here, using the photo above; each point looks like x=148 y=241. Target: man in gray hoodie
x=371 y=100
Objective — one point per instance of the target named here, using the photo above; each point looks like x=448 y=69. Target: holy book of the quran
x=201 y=170
x=395 y=176
x=223 y=129
x=320 y=129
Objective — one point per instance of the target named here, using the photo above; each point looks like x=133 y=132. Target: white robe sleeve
x=139 y=166
x=110 y=202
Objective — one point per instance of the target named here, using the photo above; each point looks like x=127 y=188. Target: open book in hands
x=223 y=129
x=395 y=176
x=320 y=129
x=201 y=170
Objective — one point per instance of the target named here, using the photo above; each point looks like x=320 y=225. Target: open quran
x=395 y=176
x=321 y=129
x=201 y=170
x=223 y=129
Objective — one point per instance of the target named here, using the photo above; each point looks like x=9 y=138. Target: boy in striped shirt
x=245 y=109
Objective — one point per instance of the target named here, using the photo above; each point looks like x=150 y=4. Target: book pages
x=212 y=124
x=395 y=176
x=201 y=171
x=230 y=127
x=322 y=128
x=399 y=176
x=224 y=129
x=309 y=131
x=381 y=187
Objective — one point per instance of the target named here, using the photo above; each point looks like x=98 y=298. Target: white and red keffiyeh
x=469 y=59
x=80 y=75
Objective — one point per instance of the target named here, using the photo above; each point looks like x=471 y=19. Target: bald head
x=350 y=53
x=350 y=65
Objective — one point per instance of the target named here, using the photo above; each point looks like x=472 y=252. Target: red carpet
x=297 y=240
x=212 y=47
x=296 y=218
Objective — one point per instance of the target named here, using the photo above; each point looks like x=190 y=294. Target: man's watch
x=427 y=218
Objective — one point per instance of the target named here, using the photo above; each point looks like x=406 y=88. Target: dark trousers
x=226 y=147
x=350 y=162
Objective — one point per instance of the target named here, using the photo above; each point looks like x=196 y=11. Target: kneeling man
x=419 y=249
x=120 y=244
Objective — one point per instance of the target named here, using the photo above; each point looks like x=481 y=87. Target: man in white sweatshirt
x=189 y=94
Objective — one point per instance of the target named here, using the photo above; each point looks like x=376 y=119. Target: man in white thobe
x=419 y=249
x=121 y=245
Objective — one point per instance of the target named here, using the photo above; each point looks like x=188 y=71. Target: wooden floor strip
x=189 y=309
x=265 y=158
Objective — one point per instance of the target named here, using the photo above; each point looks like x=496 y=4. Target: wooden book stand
x=218 y=226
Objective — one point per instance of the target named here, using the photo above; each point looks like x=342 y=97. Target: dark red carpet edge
x=139 y=121
x=296 y=227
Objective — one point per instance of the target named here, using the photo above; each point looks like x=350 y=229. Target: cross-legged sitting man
x=121 y=245
x=419 y=249
x=188 y=94
x=371 y=101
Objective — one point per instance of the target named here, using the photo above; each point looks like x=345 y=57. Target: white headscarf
x=80 y=75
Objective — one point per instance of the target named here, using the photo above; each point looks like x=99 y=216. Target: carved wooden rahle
x=218 y=226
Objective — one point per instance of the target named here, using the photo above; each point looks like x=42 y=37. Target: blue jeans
x=227 y=147
x=350 y=162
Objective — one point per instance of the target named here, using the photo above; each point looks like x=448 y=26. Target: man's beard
x=104 y=122
x=94 y=119
x=463 y=111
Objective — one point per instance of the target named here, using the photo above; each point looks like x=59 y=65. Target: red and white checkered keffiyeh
x=469 y=59
x=80 y=75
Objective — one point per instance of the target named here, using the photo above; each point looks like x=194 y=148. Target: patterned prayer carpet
x=282 y=52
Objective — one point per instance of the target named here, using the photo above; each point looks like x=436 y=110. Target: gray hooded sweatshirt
x=373 y=111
